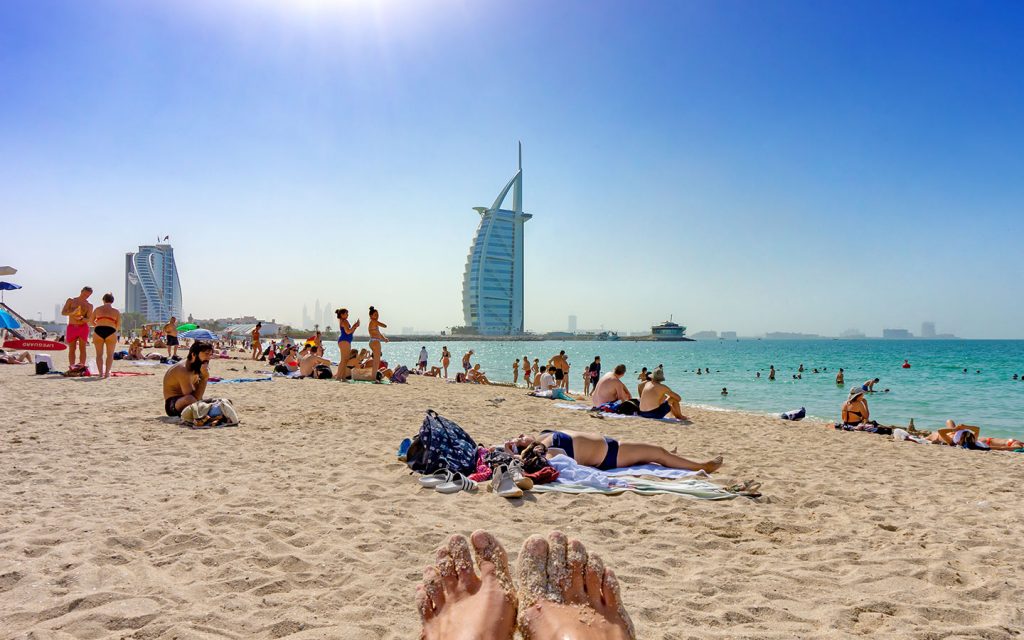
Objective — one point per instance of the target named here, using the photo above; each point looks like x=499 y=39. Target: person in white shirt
x=547 y=380
x=423 y=359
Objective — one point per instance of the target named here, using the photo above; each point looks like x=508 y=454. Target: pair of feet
x=564 y=592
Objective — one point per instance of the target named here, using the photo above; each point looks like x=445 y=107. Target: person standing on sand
x=466 y=365
x=345 y=333
x=376 y=337
x=106 y=320
x=561 y=366
x=446 y=359
x=422 y=364
x=78 y=311
x=515 y=371
x=257 y=346
x=593 y=372
x=526 y=371
x=536 y=372
x=171 y=336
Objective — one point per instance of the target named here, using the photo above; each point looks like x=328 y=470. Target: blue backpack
x=441 y=444
x=400 y=375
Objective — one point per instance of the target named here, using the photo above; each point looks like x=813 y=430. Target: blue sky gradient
x=745 y=166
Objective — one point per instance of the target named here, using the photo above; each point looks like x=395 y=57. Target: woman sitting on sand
x=602 y=452
x=968 y=437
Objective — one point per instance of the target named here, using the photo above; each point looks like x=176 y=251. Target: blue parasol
x=7 y=286
x=198 y=334
x=7 y=322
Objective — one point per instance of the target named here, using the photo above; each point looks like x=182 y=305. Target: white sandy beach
x=301 y=523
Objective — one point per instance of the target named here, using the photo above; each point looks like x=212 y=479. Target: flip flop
x=403 y=449
x=439 y=477
x=458 y=483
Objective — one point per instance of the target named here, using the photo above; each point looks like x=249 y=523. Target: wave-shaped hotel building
x=492 y=287
x=151 y=283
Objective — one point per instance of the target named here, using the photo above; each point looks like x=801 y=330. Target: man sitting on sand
x=610 y=387
x=185 y=382
x=311 y=364
x=135 y=350
x=564 y=592
x=477 y=376
x=14 y=357
x=657 y=400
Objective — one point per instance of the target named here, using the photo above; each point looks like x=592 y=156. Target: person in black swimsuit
x=604 y=453
x=106 y=320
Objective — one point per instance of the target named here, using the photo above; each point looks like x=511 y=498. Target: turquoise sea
x=932 y=390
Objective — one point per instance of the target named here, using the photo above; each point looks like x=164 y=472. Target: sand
x=300 y=523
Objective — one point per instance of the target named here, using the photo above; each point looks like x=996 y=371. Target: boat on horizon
x=669 y=331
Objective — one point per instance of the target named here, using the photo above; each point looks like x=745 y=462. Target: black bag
x=441 y=444
x=628 y=407
x=42 y=368
x=322 y=372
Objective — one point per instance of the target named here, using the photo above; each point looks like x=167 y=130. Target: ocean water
x=931 y=391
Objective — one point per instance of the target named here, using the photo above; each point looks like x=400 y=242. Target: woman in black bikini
x=604 y=453
x=106 y=320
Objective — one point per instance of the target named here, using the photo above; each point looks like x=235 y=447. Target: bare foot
x=566 y=594
x=712 y=465
x=456 y=604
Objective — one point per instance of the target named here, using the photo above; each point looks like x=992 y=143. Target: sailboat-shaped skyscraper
x=492 y=287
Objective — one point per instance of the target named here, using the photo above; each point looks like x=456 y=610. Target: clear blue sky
x=755 y=166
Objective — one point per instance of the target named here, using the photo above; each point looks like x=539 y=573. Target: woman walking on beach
x=376 y=337
x=345 y=333
x=446 y=359
x=257 y=346
x=106 y=320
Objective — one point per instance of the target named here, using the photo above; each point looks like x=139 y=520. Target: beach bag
x=441 y=444
x=628 y=407
x=42 y=368
x=799 y=414
x=400 y=375
x=322 y=372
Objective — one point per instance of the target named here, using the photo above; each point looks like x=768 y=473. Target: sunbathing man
x=657 y=400
x=610 y=387
x=602 y=452
x=312 y=364
x=968 y=437
x=78 y=311
x=477 y=376
x=564 y=593
x=185 y=382
x=14 y=357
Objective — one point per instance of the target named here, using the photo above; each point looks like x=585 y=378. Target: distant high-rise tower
x=151 y=283
x=305 y=317
x=572 y=324
x=56 y=313
x=329 y=317
x=927 y=329
x=317 y=313
x=492 y=286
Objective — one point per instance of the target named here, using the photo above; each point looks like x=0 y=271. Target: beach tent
x=198 y=334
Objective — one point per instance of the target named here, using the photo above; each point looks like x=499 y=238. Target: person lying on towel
x=601 y=452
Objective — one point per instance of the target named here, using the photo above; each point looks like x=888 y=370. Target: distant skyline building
x=572 y=324
x=728 y=335
x=927 y=329
x=492 y=285
x=151 y=283
x=329 y=317
x=305 y=318
x=896 y=334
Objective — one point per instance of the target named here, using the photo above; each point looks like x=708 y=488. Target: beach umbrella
x=7 y=322
x=7 y=286
x=8 y=271
x=198 y=334
x=188 y=326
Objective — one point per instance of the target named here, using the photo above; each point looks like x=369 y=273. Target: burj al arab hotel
x=492 y=287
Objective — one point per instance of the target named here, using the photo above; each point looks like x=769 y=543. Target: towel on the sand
x=129 y=374
x=576 y=478
x=603 y=414
x=267 y=379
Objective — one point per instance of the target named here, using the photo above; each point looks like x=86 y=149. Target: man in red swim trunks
x=78 y=311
